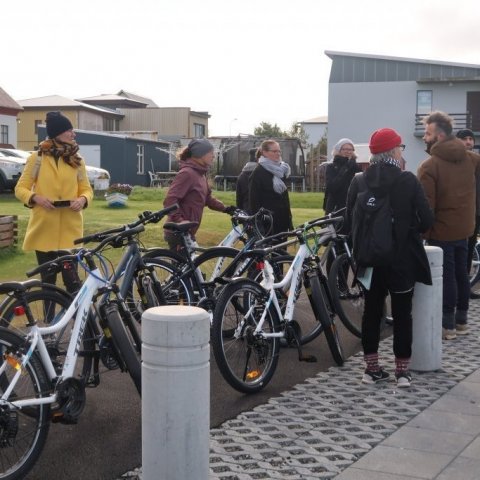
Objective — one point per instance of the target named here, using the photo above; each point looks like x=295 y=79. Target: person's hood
x=380 y=177
x=450 y=150
x=190 y=163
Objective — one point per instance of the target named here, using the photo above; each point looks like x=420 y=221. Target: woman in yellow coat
x=54 y=184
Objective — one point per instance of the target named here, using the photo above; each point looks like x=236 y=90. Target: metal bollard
x=427 y=317
x=175 y=393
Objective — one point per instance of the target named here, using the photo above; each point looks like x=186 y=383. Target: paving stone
x=332 y=421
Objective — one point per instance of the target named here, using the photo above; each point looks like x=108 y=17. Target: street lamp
x=231 y=121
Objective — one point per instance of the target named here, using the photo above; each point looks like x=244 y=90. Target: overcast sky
x=242 y=61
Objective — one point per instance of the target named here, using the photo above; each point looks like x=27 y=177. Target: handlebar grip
x=53 y=265
x=99 y=236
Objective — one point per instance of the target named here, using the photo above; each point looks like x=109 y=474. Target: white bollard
x=427 y=317
x=175 y=393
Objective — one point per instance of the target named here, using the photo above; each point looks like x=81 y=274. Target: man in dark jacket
x=243 y=178
x=411 y=215
x=448 y=178
x=468 y=139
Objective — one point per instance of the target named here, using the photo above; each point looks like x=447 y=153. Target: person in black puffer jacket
x=339 y=174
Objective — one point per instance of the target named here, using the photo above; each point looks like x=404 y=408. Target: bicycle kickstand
x=292 y=331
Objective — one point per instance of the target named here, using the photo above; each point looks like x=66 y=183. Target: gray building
x=128 y=159
x=367 y=92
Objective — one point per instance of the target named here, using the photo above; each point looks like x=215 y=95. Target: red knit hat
x=384 y=140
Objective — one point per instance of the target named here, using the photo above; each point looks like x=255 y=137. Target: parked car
x=99 y=178
x=10 y=170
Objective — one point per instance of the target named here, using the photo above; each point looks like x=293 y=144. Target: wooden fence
x=8 y=230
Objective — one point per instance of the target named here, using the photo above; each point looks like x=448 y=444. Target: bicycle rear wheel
x=318 y=298
x=246 y=360
x=23 y=431
x=347 y=294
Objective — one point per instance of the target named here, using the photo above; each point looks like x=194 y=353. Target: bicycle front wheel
x=474 y=273
x=23 y=431
x=124 y=344
x=247 y=360
x=158 y=283
x=48 y=306
x=347 y=294
x=318 y=297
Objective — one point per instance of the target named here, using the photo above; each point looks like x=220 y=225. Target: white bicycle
x=33 y=390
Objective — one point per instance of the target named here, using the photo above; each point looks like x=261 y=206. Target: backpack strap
x=38 y=164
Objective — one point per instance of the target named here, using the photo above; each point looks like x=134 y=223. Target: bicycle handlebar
x=145 y=217
x=115 y=240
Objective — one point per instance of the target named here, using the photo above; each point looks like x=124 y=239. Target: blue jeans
x=456 y=286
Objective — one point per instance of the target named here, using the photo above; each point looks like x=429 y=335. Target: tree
x=320 y=148
x=268 y=130
x=297 y=131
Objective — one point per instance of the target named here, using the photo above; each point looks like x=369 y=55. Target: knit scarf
x=388 y=161
x=67 y=151
x=279 y=170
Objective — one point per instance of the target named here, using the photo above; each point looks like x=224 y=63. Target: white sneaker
x=449 y=334
x=462 y=329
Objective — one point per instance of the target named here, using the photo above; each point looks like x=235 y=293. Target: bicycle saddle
x=179 y=227
x=7 y=287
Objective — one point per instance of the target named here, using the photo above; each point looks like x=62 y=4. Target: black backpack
x=372 y=228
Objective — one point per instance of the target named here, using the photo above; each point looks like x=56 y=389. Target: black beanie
x=57 y=124
x=466 y=132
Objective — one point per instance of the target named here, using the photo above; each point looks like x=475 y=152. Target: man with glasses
x=448 y=177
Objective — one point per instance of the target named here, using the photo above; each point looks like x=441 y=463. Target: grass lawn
x=14 y=262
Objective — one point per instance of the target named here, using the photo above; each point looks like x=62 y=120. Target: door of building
x=473 y=108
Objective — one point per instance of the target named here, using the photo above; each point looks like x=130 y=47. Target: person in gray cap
x=190 y=189
x=338 y=175
x=468 y=138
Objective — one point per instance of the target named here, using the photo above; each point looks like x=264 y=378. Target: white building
x=367 y=92
x=315 y=128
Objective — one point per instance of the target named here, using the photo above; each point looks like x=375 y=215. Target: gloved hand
x=230 y=210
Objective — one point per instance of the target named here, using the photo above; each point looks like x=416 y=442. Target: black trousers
x=373 y=313
x=69 y=271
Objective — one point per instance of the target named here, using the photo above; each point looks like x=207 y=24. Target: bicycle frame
x=79 y=309
x=290 y=280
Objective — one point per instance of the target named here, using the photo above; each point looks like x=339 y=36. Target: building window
x=37 y=123
x=140 y=159
x=424 y=102
x=199 y=130
x=110 y=124
x=4 y=134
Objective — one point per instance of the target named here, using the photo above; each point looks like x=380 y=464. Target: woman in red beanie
x=411 y=216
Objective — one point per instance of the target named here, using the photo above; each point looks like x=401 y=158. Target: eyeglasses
x=401 y=147
x=275 y=151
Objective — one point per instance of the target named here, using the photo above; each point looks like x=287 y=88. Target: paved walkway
x=333 y=426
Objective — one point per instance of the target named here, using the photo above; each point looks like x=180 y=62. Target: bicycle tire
x=246 y=362
x=23 y=432
x=310 y=327
x=474 y=273
x=143 y=291
x=348 y=295
x=318 y=298
x=48 y=305
x=222 y=260
x=124 y=345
